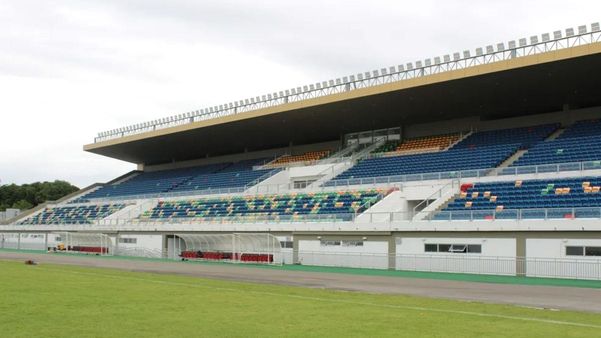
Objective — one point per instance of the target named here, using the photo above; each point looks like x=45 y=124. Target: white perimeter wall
x=373 y=254
x=497 y=257
x=547 y=258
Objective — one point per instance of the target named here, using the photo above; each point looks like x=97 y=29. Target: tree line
x=27 y=196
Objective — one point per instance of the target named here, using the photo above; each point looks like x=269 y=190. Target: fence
x=371 y=182
x=472 y=173
x=517 y=214
x=585 y=268
x=459 y=263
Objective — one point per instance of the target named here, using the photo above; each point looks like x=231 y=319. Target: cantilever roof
x=528 y=84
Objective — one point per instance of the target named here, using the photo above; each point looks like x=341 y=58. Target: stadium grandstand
x=484 y=161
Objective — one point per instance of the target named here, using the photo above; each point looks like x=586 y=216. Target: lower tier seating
x=536 y=199
x=81 y=214
x=341 y=205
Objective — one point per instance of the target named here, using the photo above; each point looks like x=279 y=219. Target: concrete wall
x=373 y=254
x=565 y=118
x=547 y=257
x=270 y=153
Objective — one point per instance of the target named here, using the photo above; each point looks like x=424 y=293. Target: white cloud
x=70 y=69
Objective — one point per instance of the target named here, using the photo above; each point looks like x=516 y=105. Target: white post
x=46 y=241
x=19 y=241
x=173 y=247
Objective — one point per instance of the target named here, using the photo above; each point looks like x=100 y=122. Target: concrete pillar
x=19 y=241
x=520 y=253
x=164 y=252
x=392 y=253
x=294 y=249
x=46 y=241
x=116 y=249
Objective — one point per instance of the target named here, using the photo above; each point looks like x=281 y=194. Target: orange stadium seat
x=306 y=157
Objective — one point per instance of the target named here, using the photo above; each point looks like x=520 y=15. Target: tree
x=30 y=195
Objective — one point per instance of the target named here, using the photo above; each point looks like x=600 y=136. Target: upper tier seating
x=559 y=196
x=341 y=205
x=481 y=150
x=525 y=136
x=582 y=129
x=578 y=143
x=212 y=176
x=306 y=157
x=76 y=214
x=438 y=142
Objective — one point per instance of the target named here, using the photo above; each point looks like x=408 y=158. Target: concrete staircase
x=436 y=201
x=555 y=134
x=512 y=159
x=463 y=137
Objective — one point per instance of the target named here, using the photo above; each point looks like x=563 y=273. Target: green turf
x=66 y=301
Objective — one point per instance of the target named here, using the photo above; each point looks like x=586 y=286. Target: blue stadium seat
x=80 y=214
x=213 y=176
x=480 y=150
x=534 y=199
x=339 y=205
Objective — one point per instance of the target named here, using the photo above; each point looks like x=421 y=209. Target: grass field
x=66 y=301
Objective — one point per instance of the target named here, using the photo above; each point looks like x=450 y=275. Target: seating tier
x=342 y=204
x=82 y=214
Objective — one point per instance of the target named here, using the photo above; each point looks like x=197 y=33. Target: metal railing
x=372 y=182
x=593 y=213
x=537 y=45
x=517 y=214
x=470 y=173
x=445 y=189
x=585 y=268
x=588 y=268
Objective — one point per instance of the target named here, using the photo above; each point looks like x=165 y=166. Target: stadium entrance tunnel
x=257 y=248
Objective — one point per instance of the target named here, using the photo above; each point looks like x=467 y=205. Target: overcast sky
x=69 y=69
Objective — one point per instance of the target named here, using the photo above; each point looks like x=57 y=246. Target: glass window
x=474 y=248
x=574 y=250
x=593 y=251
x=286 y=244
x=444 y=247
x=330 y=243
x=431 y=248
x=458 y=248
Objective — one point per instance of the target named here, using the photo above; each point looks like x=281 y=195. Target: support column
x=116 y=249
x=520 y=254
x=46 y=241
x=19 y=241
x=294 y=249
x=164 y=252
x=392 y=252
